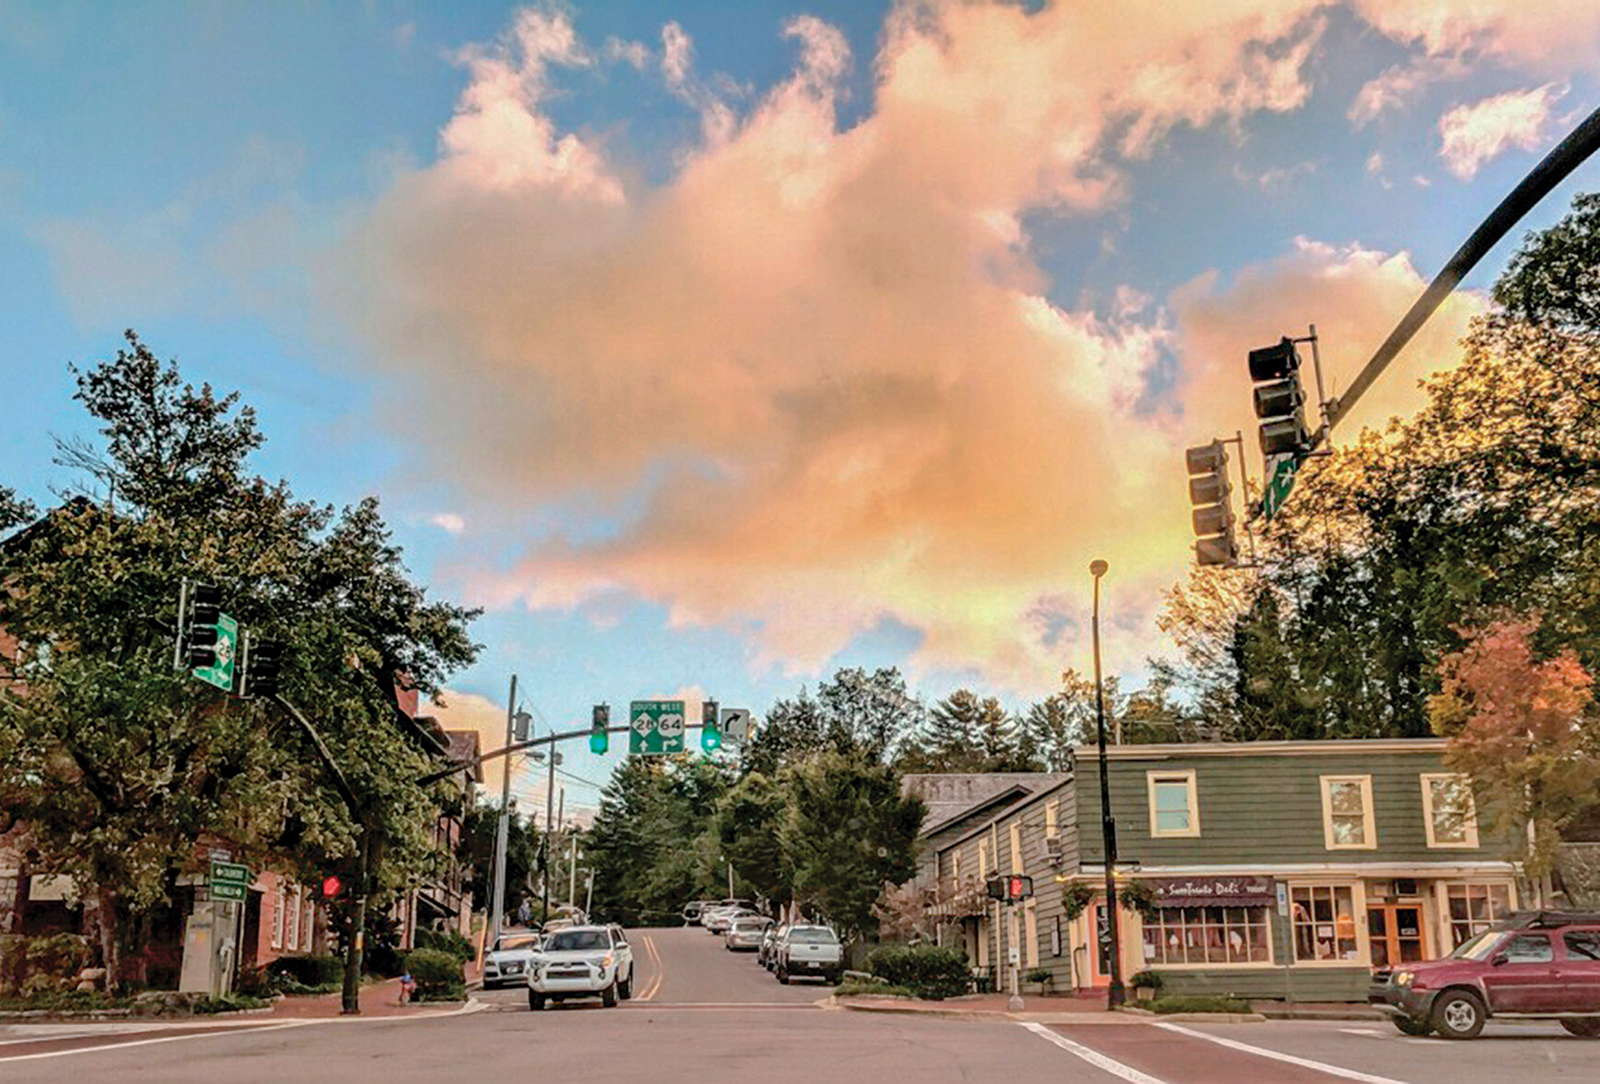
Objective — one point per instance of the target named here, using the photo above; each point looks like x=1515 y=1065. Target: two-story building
x=1263 y=869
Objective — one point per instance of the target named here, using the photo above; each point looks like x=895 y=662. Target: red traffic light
x=330 y=887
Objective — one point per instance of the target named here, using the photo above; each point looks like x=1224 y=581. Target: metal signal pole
x=500 y=839
x=1108 y=827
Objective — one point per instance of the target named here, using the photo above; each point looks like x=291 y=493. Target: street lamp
x=1115 y=994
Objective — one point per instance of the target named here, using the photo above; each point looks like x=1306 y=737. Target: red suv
x=1540 y=965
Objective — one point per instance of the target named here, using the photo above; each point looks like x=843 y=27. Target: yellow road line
x=655 y=959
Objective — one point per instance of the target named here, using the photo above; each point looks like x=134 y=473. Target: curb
x=52 y=1016
x=1316 y=1014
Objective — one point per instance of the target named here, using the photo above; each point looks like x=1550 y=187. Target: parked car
x=582 y=961
x=691 y=911
x=1539 y=965
x=809 y=950
x=745 y=934
x=508 y=961
x=721 y=918
x=766 y=955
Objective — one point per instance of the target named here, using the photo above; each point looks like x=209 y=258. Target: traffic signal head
x=1019 y=887
x=599 y=740
x=1279 y=399
x=200 y=634
x=996 y=888
x=710 y=727
x=1212 y=498
x=262 y=665
x=330 y=887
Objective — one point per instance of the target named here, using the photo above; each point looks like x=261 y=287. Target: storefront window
x=1324 y=923
x=1206 y=935
x=1474 y=908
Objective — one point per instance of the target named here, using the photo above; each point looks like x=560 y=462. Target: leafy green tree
x=872 y=713
x=14 y=510
x=966 y=733
x=848 y=832
x=749 y=817
x=479 y=828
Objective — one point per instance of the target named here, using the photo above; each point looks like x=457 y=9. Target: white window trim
x=1052 y=819
x=1193 y=831
x=983 y=858
x=1030 y=933
x=1368 y=822
x=1470 y=823
x=1358 y=904
x=278 y=900
x=1137 y=938
x=1016 y=847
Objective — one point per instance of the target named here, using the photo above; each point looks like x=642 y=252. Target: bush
x=455 y=992
x=306 y=974
x=385 y=961
x=876 y=989
x=932 y=972
x=448 y=941
x=71 y=1001
x=1197 y=1003
x=435 y=973
x=1148 y=980
x=228 y=1003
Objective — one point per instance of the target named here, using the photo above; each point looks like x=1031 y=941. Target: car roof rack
x=1546 y=920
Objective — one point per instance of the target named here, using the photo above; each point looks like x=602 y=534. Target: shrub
x=385 y=961
x=932 y=972
x=1150 y=980
x=306 y=971
x=447 y=941
x=454 y=992
x=851 y=988
x=228 y=1003
x=435 y=973
x=70 y=1001
x=1197 y=1003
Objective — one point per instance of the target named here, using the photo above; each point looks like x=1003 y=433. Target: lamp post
x=1115 y=994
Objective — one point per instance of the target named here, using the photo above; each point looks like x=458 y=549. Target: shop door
x=1100 y=969
x=1395 y=930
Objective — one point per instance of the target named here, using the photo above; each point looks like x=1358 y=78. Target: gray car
x=745 y=935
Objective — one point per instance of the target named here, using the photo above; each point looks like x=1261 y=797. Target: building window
x=1324 y=923
x=983 y=858
x=1052 y=820
x=1207 y=935
x=1448 y=812
x=292 y=920
x=1174 y=809
x=277 y=915
x=1347 y=812
x=955 y=869
x=1474 y=908
x=1030 y=931
x=1016 y=847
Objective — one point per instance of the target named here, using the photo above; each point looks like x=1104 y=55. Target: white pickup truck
x=809 y=950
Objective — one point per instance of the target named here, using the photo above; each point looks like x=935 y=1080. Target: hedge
x=1196 y=1003
x=434 y=972
x=447 y=941
x=932 y=972
x=307 y=970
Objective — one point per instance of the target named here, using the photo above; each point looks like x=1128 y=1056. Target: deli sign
x=1214 y=891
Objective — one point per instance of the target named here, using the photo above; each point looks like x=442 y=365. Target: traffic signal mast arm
x=1567 y=156
x=517 y=747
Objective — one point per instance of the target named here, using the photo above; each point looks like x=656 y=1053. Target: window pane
x=1172 y=796
x=1349 y=831
x=1529 y=948
x=1582 y=945
x=1172 y=822
x=1345 y=798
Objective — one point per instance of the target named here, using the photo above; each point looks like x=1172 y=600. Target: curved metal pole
x=1115 y=994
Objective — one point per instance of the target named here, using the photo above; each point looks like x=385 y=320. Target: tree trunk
x=356 y=941
x=110 y=951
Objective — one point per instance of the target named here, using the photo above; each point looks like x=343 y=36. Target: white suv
x=582 y=961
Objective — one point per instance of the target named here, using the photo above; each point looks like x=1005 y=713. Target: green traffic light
x=710 y=738
x=599 y=742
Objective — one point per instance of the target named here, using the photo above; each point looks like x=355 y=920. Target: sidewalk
x=376 y=999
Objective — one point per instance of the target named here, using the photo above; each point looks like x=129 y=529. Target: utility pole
x=572 y=870
x=500 y=838
x=549 y=826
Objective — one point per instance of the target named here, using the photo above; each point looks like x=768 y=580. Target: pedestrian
x=524 y=912
x=408 y=988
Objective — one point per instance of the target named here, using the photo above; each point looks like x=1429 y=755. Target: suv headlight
x=1404 y=978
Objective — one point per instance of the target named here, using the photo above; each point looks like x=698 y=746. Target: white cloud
x=1400 y=85
x=1473 y=134
x=449 y=521
x=1375 y=162
x=633 y=53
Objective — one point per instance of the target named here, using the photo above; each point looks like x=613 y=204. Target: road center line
x=1261 y=1051
x=1093 y=1057
x=163 y=1039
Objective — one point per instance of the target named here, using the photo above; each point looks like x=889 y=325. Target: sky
x=713 y=347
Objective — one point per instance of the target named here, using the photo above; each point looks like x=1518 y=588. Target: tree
x=480 y=829
x=14 y=510
x=849 y=833
x=872 y=713
x=749 y=817
x=1525 y=730
x=967 y=734
x=127 y=765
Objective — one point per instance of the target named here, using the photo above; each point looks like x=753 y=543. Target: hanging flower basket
x=1074 y=898
x=1136 y=896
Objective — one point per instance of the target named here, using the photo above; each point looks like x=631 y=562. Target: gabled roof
x=954 y=796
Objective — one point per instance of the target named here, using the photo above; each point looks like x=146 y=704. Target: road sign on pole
x=1279 y=485
x=655 y=727
x=735 y=723
x=221 y=673
x=229 y=880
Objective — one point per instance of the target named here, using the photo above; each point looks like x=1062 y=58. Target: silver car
x=509 y=960
x=746 y=933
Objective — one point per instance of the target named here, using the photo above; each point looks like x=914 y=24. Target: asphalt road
x=707 y=1016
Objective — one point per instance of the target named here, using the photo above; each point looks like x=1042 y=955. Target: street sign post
x=1279 y=485
x=735 y=723
x=221 y=675
x=229 y=880
x=655 y=727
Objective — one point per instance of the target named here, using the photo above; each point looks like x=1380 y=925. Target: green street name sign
x=221 y=675
x=229 y=880
x=1279 y=485
x=655 y=727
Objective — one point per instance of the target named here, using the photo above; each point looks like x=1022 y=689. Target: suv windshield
x=1478 y=947
x=814 y=936
x=577 y=941
x=506 y=944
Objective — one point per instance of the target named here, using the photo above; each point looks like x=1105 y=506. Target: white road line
x=162 y=1039
x=1261 y=1051
x=1093 y=1057
x=1370 y=1033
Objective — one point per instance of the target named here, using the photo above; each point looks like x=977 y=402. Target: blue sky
x=714 y=347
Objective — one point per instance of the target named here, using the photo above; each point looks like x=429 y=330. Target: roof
x=465 y=747
x=950 y=797
x=1166 y=750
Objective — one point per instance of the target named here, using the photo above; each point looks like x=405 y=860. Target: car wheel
x=1458 y=1015
x=535 y=1001
x=608 y=996
x=1587 y=1027
x=783 y=974
x=625 y=988
x=1410 y=1025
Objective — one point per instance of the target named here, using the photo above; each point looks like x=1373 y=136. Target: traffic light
x=710 y=727
x=263 y=661
x=330 y=887
x=599 y=740
x=1279 y=399
x=201 y=635
x=996 y=887
x=1013 y=888
x=1212 y=498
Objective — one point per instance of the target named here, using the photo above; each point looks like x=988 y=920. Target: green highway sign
x=655 y=727
x=229 y=880
x=221 y=675
x=1279 y=485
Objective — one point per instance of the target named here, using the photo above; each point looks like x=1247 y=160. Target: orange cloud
x=1475 y=133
